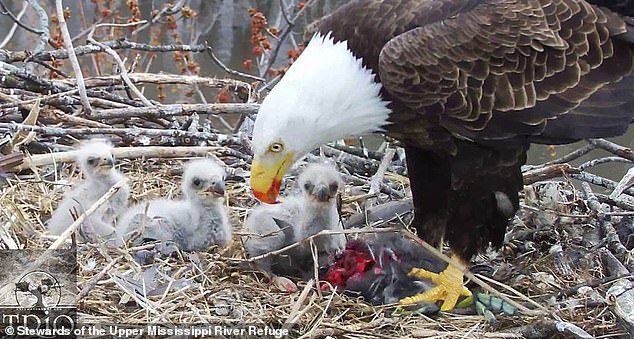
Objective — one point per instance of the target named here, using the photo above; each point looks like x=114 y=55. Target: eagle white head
x=325 y=95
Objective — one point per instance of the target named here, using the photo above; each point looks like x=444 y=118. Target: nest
x=554 y=254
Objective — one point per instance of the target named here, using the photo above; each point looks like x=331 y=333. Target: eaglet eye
x=333 y=187
x=276 y=147
x=91 y=161
x=197 y=182
x=308 y=186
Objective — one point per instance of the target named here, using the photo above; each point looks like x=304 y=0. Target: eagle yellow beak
x=266 y=177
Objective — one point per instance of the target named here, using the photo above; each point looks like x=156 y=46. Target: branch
x=611 y=147
x=17 y=23
x=123 y=132
x=164 y=78
x=611 y=237
x=599 y=181
x=601 y=161
x=548 y=172
x=122 y=68
x=162 y=111
x=10 y=56
x=377 y=178
x=44 y=33
x=68 y=43
x=220 y=64
x=119 y=153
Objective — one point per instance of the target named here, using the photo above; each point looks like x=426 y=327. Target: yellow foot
x=449 y=287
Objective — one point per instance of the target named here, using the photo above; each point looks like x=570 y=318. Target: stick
x=164 y=78
x=610 y=234
x=121 y=153
x=44 y=33
x=10 y=56
x=15 y=24
x=547 y=172
x=377 y=178
x=163 y=111
x=613 y=148
x=320 y=233
x=68 y=43
x=215 y=59
x=124 y=132
x=122 y=68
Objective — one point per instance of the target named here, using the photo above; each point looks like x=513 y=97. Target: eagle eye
x=196 y=182
x=91 y=161
x=276 y=147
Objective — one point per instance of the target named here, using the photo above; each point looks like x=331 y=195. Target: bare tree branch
x=17 y=23
x=15 y=56
x=122 y=68
x=68 y=43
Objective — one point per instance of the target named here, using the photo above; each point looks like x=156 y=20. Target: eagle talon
x=449 y=287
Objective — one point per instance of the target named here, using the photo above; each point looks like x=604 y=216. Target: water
x=225 y=25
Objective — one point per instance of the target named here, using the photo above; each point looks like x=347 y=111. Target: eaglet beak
x=266 y=178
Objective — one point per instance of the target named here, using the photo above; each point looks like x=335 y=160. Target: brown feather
x=472 y=82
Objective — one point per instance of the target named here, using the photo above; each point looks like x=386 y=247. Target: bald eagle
x=467 y=86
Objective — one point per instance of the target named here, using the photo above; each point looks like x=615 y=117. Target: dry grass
x=217 y=286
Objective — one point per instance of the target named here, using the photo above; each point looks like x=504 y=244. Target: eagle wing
x=552 y=70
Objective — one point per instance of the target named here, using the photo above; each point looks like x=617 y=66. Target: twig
x=93 y=281
x=360 y=152
x=377 y=178
x=122 y=68
x=291 y=319
x=601 y=161
x=11 y=75
x=611 y=237
x=287 y=30
x=68 y=43
x=17 y=23
x=220 y=64
x=620 y=295
x=121 y=153
x=165 y=78
x=621 y=203
x=599 y=181
x=611 y=147
x=358 y=164
x=624 y=183
x=594 y=283
x=572 y=155
x=169 y=10
x=547 y=172
x=320 y=233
